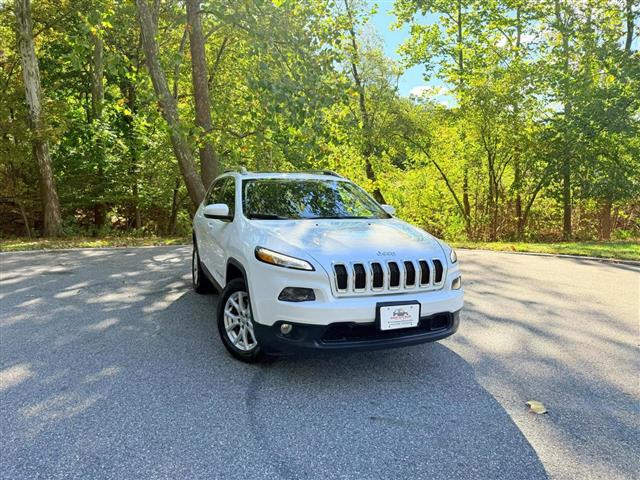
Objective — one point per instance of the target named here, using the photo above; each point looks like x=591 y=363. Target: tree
x=457 y=45
x=199 y=73
x=563 y=25
x=305 y=84
x=168 y=105
x=353 y=56
x=37 y=121
x=97 y=100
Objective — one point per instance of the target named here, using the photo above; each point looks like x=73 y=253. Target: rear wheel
x=201 y=283
x=235 y=323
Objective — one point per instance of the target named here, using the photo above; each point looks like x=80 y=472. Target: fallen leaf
x=536 y=407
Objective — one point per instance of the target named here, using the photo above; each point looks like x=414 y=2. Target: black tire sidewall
x=195 y=284
x=204 y=285
x=233 y=286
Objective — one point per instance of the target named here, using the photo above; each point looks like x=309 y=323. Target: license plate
x=404 y=315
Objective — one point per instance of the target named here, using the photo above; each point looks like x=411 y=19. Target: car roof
x=284 y=175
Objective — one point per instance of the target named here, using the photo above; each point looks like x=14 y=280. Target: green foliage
x=283 y=97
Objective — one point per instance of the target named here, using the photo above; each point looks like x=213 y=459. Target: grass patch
x=21 y=244
x=615 y=250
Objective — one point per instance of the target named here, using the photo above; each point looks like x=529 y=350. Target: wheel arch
x=235 y=270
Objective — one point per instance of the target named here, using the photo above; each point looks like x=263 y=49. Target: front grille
x=388 y=277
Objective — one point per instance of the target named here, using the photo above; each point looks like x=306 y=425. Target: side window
x=228 y=195
x=215 y=192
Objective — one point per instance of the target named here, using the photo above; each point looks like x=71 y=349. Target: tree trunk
x=129 y=92
x=137 y=219
x=25 y=219
x=629 y=14
x=97 y=76
x=519 y=218
x=200 y=80
x=367 y=144
x=174 y=208
x=517 y=170
x=31 y=76
x=465 y=201
x=566 y=158
x=97 y=100
x=517 y=182
x=566 y=200
x=461 y=84
x=605 y=220
x=168 y=105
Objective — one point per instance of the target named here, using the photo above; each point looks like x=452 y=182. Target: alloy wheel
x=238 y=322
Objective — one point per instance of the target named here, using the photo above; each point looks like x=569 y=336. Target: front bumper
x=351 y=336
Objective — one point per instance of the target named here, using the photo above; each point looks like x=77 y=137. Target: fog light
x=456 y=284
x=296 y=294
x=286 y=328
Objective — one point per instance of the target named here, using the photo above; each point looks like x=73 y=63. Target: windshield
x=286 y=198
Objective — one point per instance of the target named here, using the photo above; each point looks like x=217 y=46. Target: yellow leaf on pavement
x=536 y=407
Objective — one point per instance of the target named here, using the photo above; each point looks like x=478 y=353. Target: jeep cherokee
x=309 y=260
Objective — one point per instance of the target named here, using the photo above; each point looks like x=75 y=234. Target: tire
x=201 y=283
x=237 y=334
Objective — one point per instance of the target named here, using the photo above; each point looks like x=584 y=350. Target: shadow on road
x=564 y=331
x=110 y=367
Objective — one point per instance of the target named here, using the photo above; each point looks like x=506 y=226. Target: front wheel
x=235 y=322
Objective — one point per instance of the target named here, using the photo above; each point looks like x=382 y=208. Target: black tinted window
x=228 y=194
x=276 y=198
x=215 y=192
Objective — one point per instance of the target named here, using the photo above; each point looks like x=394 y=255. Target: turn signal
x=281 y=260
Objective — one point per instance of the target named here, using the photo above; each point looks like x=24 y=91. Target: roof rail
x=241 y=170
x=322 y=172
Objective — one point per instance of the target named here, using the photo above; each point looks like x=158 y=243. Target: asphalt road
x=110 y=367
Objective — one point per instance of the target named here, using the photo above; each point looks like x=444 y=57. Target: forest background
x=115 y=116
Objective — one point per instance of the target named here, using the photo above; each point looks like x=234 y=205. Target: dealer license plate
x=393 y=317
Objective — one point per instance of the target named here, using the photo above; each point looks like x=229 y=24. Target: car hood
x=349 y=240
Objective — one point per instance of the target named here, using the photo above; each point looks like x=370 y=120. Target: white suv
x=310 y=261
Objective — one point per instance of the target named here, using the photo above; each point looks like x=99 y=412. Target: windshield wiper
x=336 y=217
x=265 y=216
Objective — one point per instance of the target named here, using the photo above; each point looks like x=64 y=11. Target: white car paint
x=323 y=243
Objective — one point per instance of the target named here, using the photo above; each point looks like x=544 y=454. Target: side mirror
x=389 y=209
x=218 y=211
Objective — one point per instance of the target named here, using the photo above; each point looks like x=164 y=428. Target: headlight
x=453 y=256
x=282 y=260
